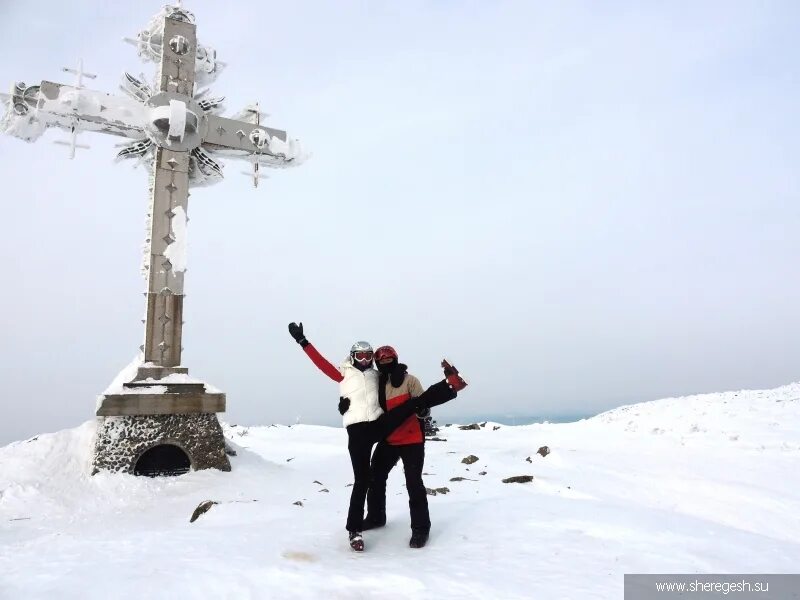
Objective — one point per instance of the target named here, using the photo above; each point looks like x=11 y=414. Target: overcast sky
x=581 y=204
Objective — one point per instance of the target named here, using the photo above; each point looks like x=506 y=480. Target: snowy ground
x=699 y=484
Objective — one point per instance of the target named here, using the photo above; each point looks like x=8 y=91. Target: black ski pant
x=361 y=437
x=384 y=459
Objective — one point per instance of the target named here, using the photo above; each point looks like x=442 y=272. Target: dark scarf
x=394 y=373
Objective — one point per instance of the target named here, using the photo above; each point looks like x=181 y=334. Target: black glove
x=344 y=405
x=296 y=331
x=423 y=413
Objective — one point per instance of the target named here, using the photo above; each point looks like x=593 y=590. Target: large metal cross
x=176 y=132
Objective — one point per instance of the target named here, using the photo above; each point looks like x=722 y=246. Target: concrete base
x=112 y=405
x=143 y=395
x=158 y=372
x=121 y=440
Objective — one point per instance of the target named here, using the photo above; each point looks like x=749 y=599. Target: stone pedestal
x=160 y=422
x=121 y=441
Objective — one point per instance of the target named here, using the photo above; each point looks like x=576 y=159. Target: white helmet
x=361 y=355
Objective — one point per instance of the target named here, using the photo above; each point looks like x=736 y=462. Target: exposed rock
x=496 y=427
x=529 y=459
x=484 y=424
x=442 y=490
x=468 y=460
x=437 y=439
x=229 y=450
x=470 y=426
x=544 y=451
x=518 y=479
x=324 y=490
x=289 y=459
x=298 y=503
x=202 y=508
x=482 y=473
x=318 y=482
x=462 y=479
x=349 y=485
x=435 y=491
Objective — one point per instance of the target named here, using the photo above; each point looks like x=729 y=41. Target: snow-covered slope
x=696 y=484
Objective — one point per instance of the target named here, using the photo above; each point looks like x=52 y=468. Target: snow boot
x=371 y=522
x=356 y=541
x=453 y=378
x=419 y=537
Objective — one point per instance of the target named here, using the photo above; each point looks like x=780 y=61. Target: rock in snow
x=518 y=479
x=203 y=507
x=713 y=491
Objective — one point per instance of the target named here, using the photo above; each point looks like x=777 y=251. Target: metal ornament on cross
x=256 y=115
x=178 y=134
x=72 y=143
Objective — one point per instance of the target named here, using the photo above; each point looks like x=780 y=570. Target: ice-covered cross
x=177 y=132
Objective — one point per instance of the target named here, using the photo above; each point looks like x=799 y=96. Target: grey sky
x=580 y=204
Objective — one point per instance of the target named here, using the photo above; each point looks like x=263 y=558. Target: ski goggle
x=362 y=355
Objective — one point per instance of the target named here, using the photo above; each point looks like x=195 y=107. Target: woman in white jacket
x=363 y=417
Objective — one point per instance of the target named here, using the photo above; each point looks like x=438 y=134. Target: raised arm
x=322 y=363
x=296 y=331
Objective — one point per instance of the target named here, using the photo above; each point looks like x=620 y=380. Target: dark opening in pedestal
x=163 y=460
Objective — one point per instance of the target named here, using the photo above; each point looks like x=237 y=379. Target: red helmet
x=385 y=352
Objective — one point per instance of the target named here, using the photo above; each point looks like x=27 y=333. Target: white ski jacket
x=362 y=389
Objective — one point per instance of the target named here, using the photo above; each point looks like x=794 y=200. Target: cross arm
x=35 y=108
x=240 y=138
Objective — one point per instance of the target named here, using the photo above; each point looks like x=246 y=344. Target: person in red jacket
x=363 y=417
x=407 y=442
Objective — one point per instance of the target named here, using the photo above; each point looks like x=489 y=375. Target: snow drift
x=696 y=484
